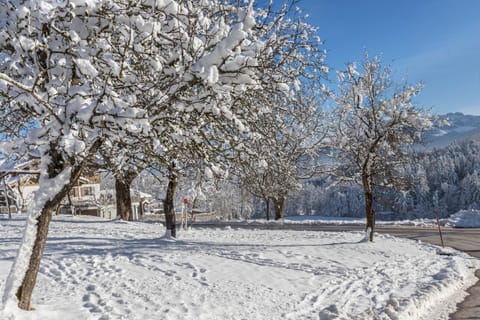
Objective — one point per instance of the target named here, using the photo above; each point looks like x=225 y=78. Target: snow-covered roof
x=17 y=165
x=84 y=180
x=141 y=194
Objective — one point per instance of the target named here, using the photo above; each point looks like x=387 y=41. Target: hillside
x=461 y=127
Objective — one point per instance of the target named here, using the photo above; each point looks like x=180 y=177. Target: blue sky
x=434 y=41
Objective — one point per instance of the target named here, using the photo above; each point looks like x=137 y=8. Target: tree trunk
x=242 y=202
x=56 y=166
x=141 y=208
x=168 y=205
x=278 y=203
x=123 y=200
x=123 y=182
x=7 y=201
x=370 y=212
x=70 y=204
x=24 y=292
x=22 y=198
x=267 y=208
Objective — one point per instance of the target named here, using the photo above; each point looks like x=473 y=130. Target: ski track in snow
x=116 y=270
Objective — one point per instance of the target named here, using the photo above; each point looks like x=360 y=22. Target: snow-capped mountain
x=460 y=127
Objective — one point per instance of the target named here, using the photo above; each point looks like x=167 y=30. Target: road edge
x=468 y=308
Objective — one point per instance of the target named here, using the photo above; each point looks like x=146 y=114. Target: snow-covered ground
x=98 y=269
x=465 y=219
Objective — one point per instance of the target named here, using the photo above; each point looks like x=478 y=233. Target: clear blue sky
x=434 y=41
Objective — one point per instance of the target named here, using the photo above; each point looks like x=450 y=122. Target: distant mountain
x=461 y=127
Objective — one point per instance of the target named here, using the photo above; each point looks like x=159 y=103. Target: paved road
x=467 y=240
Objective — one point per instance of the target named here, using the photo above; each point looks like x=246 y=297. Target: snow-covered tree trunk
x=42 y=222
x=267 y=208
x=370 y=212
x=141 y=208
x=123 y=198
x=7 y=200
x=169 y=204
x=278 y=203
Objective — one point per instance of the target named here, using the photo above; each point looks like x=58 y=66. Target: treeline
x=445 y=180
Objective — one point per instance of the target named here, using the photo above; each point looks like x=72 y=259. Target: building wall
x=86 y=192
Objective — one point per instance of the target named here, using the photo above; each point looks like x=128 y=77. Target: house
x=84 y=198
x=20 y=181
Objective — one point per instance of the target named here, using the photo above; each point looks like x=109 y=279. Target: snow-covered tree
x=375 y=123
x=285 y=137
x=285 y=149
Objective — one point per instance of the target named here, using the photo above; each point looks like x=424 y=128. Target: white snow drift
x=97 y=269
x=465 y=219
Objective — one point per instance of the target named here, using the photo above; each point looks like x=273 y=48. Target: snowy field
x=98 y=269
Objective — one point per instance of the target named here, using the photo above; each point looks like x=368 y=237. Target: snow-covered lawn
x=97 y=269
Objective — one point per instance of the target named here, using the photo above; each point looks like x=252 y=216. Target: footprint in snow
x=91 y=303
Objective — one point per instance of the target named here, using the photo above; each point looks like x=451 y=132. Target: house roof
x=141 y=194
x=23 y=167
x=18 y=165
